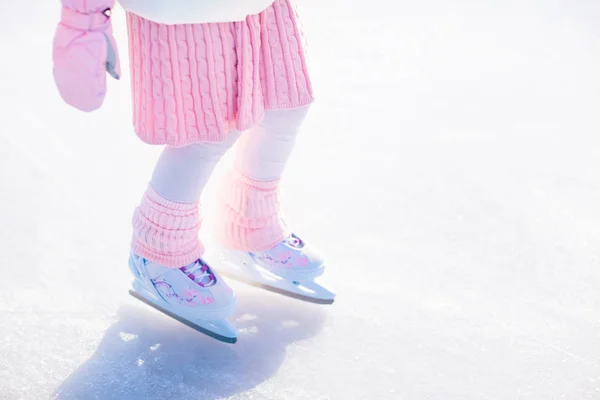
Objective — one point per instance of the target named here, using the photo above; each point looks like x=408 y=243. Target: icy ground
x=450 y=170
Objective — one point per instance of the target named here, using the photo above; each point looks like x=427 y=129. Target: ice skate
x=291 y=268
x=194 y=295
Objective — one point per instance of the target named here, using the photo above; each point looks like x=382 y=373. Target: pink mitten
x=84 y=50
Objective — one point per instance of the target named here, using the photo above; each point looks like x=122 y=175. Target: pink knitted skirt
x=197 y=82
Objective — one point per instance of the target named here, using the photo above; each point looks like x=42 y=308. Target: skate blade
x=222 y=325
x=288 y=289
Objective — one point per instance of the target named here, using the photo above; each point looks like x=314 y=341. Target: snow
x=450 y=171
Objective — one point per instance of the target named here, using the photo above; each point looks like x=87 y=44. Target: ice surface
x=450 y=170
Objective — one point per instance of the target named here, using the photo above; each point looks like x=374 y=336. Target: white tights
x=262 y=153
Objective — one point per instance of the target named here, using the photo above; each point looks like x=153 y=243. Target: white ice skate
x=291 y=268
x=194 y=295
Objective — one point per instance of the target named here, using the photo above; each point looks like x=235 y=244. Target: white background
x=450 y=171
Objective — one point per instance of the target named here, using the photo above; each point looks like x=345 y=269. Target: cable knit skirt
x=197 y=82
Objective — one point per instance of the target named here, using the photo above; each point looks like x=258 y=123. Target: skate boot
x=290 y=268
x=194 y=295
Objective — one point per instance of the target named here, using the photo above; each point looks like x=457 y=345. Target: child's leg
x=255 y=244
x=167 y=256
x=262 y=154
x=168 y=219
x=182 y=172
x=251 y=218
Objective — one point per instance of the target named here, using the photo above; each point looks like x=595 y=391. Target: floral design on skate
x=190 y=297
x=281 y=255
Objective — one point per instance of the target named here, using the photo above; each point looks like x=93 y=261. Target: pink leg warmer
x=250 y=219
x=166 y=232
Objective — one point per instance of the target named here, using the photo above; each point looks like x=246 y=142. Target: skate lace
x=200 y=273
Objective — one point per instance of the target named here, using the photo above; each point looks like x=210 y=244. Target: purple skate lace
x=200 y=273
